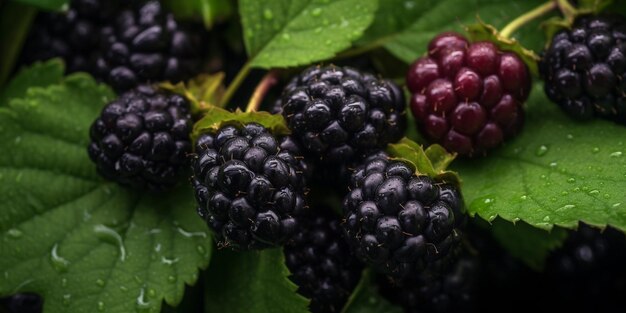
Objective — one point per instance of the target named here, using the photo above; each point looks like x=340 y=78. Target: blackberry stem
x=267 y=82
x=567 y=9
x=527 y=17
x=234 y=85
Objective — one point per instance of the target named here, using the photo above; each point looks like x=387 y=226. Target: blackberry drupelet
x=468 y=97
x=587 y=272
x=146 y=44
x=398 y=221
x=249 y=185
x=585 y=68
x=338 y=113
x=437 y=290
x=72 y=35
x=22 y=303
x=321 y=263
x=142 y=139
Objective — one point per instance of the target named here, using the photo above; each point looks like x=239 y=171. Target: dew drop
x=546 y=218
x=595 y=150
x=109 y=235
x=570 y=136
x=171 y=279
x=541 y=151
x=606 y=195
x=491 y=218
x=571 y=180
x=267 y=14
x=616 y=154
x=142 y=303
x=100 y=306
x=564 y=193
x=524 y=197
x=594 y=192
x=553 y=164
x=566 y=207
x=59 y=263
x=167 y=261
x=100 y=282
x=123 y=288
x=66 y=299
x=553 y=199
x=286 y=36
x=516 y=219
x=201 y=250
x=188 y=234
x=15 y=233
x=616 y=204
x=316 y=12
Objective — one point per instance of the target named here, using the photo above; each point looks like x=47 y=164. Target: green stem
x=234 y=85
x=270 y=79
x=529 y=16
x=567 y=9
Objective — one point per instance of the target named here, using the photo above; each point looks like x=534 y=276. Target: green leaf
x=405 y=27
x=556 y=172
x=366 y=299
x=282 y=33
x=84 y=244
x=204 y=91
x=252 y=281
x=15 y=20
x=215 y=118
x=210 y=11
x=37 y=75
x=46 y=4
x=432 y=162
x=527 y=243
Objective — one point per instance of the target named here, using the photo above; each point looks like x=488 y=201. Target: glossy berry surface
x=338 y=113
x=397 y=221
x=146 y=44
x=584 y=68
x=249 y=186
x=142 y=139
x=321 y=262
x=71 y=35
x=437 y=289
x=468 y=96
x=122 y=43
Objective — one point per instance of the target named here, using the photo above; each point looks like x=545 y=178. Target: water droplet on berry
x=14 y=233
x=267 y=14
x=59 y=263
x=541 y=151
x=616 y=154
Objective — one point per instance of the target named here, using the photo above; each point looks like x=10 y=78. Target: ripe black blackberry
x=72 y=35
x=321 y=263
x=338 y=113
x=468 y=97
x=146 y=44
x=450 y=288
x=249 y=185
x=584 y=68
x=142 y=138
x=587 y=272
x=22 y=303
x=398 y=221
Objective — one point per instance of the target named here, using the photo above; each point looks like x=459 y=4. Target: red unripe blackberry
x=468 y=96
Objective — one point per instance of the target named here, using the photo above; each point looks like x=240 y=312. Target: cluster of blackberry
x=122 y=43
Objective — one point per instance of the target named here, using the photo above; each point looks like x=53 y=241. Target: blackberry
x=249 y=185
x=587 y=272
x=338 y=113
x=584 y=68
x=146 y=44
x=468 y=97
x=22 y=303
x=142 y=139
x=441 y=289
x=321 y=263
x=399 y=221
x=71 y=35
